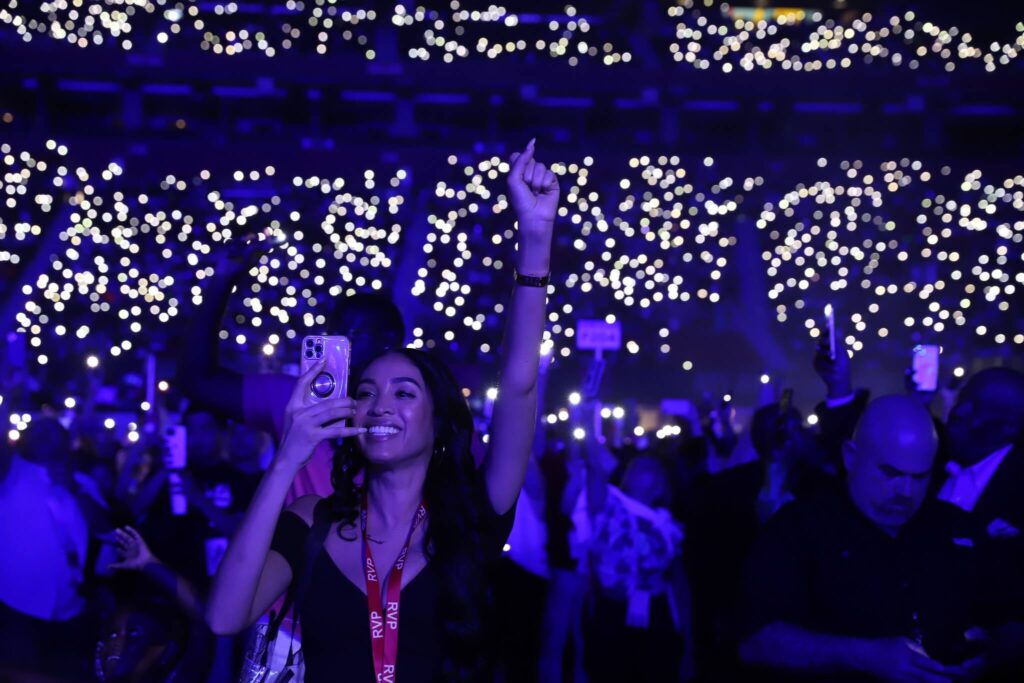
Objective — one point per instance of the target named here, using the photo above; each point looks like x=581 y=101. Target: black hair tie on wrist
x=532 y=281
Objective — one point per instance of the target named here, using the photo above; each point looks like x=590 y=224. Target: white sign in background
x=598 y=335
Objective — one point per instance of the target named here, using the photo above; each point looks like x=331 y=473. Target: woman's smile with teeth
x=382 y=430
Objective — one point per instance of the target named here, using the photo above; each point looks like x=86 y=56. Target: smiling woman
x=413 y=523
x=394 y=405
x=419 y=431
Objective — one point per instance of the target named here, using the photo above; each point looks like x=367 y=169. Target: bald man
x=876 y=584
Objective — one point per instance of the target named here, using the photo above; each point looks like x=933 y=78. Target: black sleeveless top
x=335 y=628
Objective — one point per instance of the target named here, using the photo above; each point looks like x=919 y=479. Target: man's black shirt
x=822 y=565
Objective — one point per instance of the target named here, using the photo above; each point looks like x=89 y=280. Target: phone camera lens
x=309 y=354
x=309 y=342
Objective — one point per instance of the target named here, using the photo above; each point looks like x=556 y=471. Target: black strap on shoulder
x=300 y=584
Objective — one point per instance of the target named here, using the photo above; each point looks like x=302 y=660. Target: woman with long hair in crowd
x=413 y=521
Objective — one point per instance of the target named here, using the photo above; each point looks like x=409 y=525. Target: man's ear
x=849 y=455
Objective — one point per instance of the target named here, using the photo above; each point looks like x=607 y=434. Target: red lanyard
x=385 y=640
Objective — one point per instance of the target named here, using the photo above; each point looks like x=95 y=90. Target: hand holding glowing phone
x=832 y=361
x=924 y=372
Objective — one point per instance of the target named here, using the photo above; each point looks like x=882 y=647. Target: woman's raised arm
x=533 y=190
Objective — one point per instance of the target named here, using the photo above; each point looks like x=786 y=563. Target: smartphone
x=722 y=417
x=179 y=501
x=175 y=460
x=926 y=367
x=335 y=351
x=830 y=322
x=176 y=455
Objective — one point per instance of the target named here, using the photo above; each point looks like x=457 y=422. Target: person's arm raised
x=135 y=555
x=595 y=455
x=251 y=575
x=534 y=195
x=200 y=374
x=835 y=372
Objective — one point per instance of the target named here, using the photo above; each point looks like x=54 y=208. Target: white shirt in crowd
x=966 y=484
x=45 y=539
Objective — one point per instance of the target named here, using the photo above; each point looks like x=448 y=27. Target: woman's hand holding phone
x=307 y=423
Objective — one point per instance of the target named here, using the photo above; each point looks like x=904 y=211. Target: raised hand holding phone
x=925 y=367
x=830 y=325
x=309 y=420
x=335 y=352
x=832 y=361
x=723 y=431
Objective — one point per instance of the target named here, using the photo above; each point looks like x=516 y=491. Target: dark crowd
x=239 y=531
x=877 y=539
x=262 y=262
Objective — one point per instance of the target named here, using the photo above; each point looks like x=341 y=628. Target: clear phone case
x=332 y=381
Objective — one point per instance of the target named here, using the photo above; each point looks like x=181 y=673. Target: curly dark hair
x=454 y=536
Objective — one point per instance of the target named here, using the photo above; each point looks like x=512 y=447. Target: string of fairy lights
x=702 y=34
